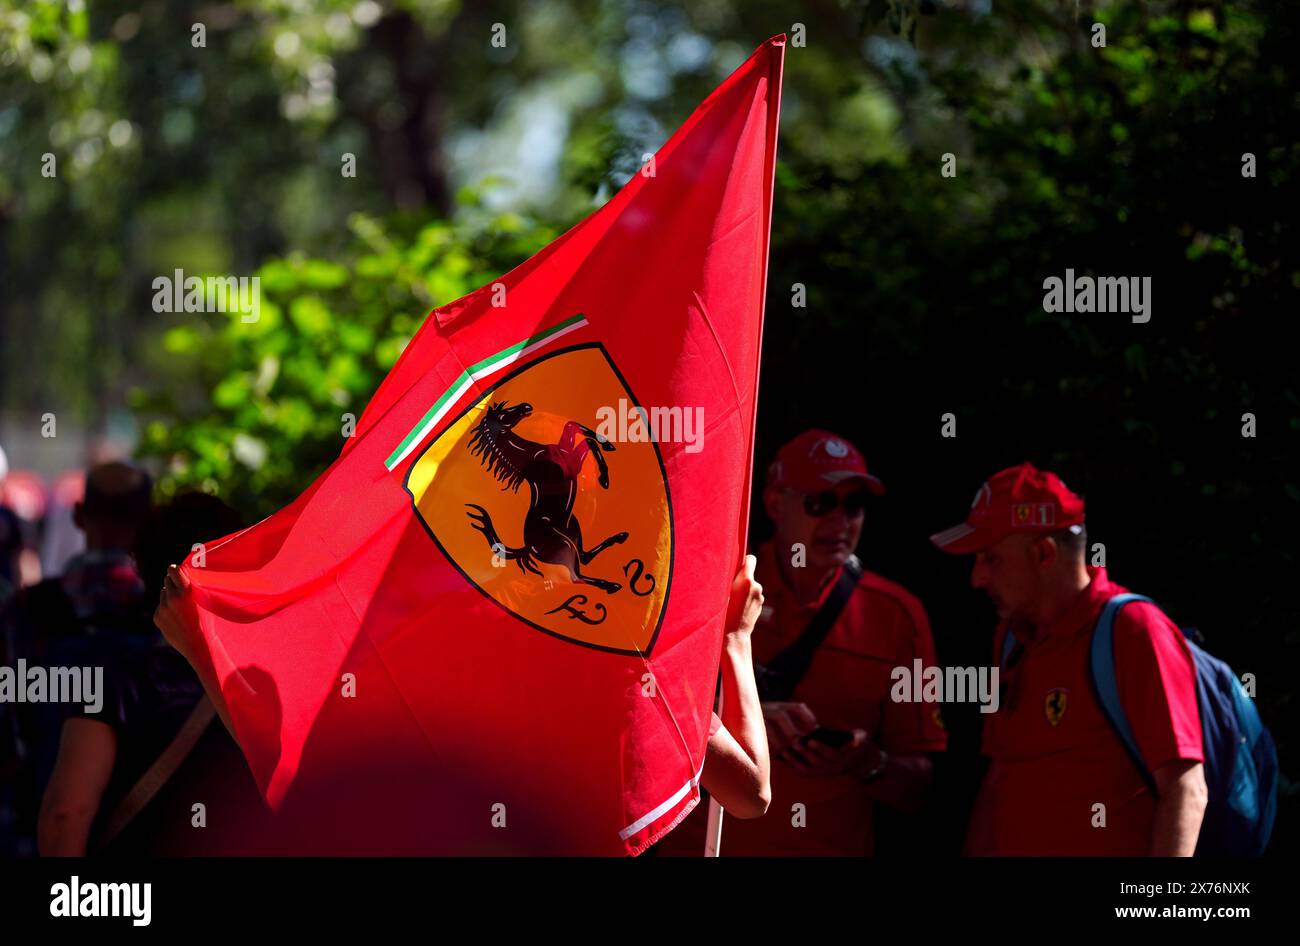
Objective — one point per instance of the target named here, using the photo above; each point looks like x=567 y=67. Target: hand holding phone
x=828 y=736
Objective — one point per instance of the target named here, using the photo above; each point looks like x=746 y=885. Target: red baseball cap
x=1019 y=499
x=818 y=460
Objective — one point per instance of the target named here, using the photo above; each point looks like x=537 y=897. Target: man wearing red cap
x=838 y=742
x=1060 y=780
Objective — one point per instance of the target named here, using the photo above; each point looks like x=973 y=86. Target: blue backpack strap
x=1101 y=666
x=1008 y=645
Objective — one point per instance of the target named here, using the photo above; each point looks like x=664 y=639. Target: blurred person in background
x=61 y=539
x=1054 y=759
x=85 y=617
x=825 y=644
x=11 y=540
x=11 y=545
x=126 y=778
x=24 y=494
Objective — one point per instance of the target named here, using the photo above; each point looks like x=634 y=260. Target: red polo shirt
x=847 y=686
x=1054 y=756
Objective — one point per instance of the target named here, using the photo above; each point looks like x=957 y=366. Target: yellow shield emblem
x=567 y=529
x=1054 y=705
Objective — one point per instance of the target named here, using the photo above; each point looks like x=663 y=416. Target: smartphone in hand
x=831 y=737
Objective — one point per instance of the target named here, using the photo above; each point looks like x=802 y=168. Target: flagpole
x=713 y=832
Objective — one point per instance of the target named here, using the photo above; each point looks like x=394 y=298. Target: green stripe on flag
x=471 y=374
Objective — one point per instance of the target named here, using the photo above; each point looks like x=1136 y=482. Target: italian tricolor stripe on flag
x=474 y=373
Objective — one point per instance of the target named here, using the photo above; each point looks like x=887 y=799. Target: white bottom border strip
x=660 y=810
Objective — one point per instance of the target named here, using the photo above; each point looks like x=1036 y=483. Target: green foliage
x=328 y=332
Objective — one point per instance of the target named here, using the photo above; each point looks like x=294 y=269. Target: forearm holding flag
x=737 y=769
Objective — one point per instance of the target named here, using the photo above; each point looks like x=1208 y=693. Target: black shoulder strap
x=163 y=768
x=779 y=677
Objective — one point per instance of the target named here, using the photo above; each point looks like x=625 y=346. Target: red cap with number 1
x=1020 y=499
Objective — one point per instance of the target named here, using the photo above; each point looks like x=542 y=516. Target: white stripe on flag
x=661 y=810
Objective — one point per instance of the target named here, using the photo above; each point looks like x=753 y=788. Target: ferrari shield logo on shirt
x=568 y=531
x=1054 y=705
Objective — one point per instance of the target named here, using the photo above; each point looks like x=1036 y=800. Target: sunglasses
x=824 y=503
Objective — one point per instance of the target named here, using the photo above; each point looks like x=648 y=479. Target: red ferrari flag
x=494 y=623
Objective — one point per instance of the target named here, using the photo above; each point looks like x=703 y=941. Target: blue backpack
x=1240 y=759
